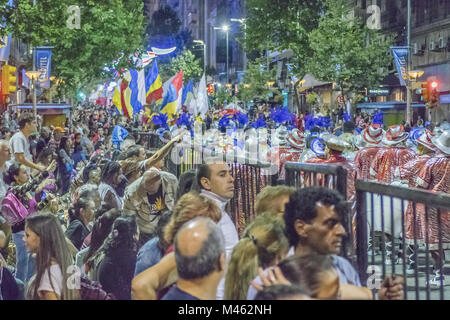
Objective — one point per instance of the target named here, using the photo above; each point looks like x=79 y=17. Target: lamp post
x=408 y=85
x=34 y=75
x=204 y=53
x=226 y=29
x=242 y=22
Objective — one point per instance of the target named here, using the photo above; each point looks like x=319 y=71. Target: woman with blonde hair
x=263 y=244
x=44 y=236
x=188 y=207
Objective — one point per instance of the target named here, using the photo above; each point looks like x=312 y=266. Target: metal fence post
x=361 y=235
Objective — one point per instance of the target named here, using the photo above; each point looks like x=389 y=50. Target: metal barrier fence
x=412 y=226
x=330 y=176
x=250 y=177
x=301 y=175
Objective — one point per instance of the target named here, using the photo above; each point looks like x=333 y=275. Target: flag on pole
x=132 y=94
x=117 y=97
x=141 y=88
x=202 y=97
x=153 y=85
x=188 y=92
x=172 y=100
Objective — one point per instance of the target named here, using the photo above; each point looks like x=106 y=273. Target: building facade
x=430 y=35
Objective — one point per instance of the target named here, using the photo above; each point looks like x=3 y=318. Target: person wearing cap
x=336 y=147
x=391 y=157
x=434 y=176
x=384 y=168
x=407 y=174
x=371 y=143
x=290 y=148
x=147 y=198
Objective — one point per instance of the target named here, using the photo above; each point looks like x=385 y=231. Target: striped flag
x=172 y=100
x=153 y=85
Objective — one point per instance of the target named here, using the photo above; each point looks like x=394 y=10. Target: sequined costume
x=435 y=177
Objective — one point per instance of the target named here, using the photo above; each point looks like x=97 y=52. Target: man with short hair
x=147 y=198
x=217 y=183
x=19 y=145
x=313 y=225
x=200 y=259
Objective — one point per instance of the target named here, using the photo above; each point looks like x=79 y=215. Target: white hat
x=334 y=143
x=426 y=140
x=443 y=142
x=296 y=139
x=395 y=135
x=373 y=134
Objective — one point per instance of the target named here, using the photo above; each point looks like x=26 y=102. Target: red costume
x=435 y=177
x=387 y=161
x=363 y=161
x=409 y=172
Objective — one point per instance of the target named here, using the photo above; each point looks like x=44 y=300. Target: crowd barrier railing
x=250 y=177
x=404 y=231
x=301 y=175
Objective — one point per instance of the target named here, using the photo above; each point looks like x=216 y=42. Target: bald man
x=200 y=259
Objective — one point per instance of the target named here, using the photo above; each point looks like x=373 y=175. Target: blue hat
x=415 y=133
x=318 y=146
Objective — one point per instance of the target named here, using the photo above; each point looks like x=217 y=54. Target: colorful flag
x=141 y=87
x=202 y=97
x=117 y=97
x=172 y=100
x=133 y=104
x=188 y=92
x=153 y=85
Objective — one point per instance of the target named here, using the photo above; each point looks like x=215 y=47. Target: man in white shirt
x=19 y=145
x=217 y=183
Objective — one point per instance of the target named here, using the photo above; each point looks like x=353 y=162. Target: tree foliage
x=186 y=61
x=256 y=79
x=108 y=28
x=283 y=24
x=346 y=51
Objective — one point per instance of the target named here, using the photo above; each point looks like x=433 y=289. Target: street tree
x=256 y=83
x=106 y=29
x=346 y=52
x=186 y=61
x=278 y=25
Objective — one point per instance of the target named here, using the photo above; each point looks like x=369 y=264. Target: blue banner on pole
x=43 y=62
x=401 y=61
x=5 y=47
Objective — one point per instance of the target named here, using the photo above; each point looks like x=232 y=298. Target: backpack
x=92 y=290
x=14 y=211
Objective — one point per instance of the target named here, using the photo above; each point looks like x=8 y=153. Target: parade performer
x=384 y=168
x=435 y=177
x=408 y=175
x=372 y=137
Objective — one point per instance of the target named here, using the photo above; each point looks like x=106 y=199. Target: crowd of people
x=90 y=209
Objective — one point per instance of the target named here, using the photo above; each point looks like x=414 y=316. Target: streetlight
x=226 y=29
x=242 y=22
x=34 y=75
x=204 y=53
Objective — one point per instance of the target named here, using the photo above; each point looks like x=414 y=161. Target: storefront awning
x=41 y=106
x=398 y=105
